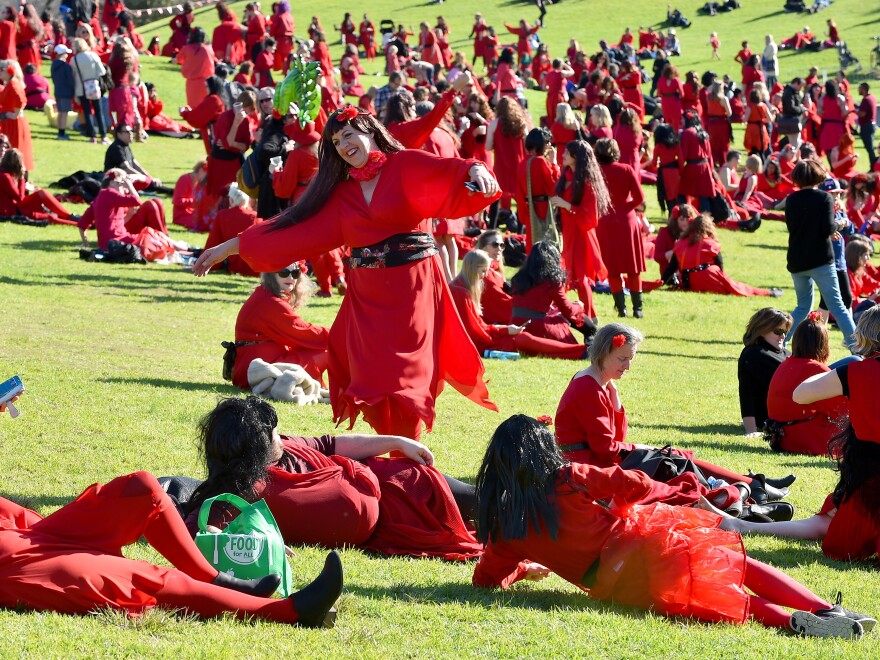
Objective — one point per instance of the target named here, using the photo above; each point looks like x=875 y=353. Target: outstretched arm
x=359 y=446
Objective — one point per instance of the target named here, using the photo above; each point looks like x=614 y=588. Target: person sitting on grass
x=229 y=223
x=119 y=155
x=538 y=513
x=764 y=351
x=334 y=491
x=19 y=197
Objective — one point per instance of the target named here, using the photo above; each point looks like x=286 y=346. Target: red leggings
x=774 y=590
x=149 y=214
x=529 y=344
x=72 y=560
x=633 y=282
x=712 y=470
x=42 y=201
x=585 y=295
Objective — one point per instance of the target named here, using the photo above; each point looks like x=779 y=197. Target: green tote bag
x=250 y=547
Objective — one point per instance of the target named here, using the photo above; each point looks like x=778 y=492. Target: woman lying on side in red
x=584 y=524
x=335 y=491
x=72 y=562
x=591 y=424
x=467 y=291
x=269 y=327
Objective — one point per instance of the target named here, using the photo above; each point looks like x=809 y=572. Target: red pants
x=633 y=282
x=72 y=561
x=529 y=344
x=585 y=295
x=149 y=214
x=41 y=202
x=328 y=269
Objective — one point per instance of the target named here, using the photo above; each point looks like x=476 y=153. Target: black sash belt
x=397 y=250
x=525 y=313
x=224 y=154
x=685 y=274
x=696 y=161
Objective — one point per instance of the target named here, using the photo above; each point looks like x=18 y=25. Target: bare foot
x=728 y=522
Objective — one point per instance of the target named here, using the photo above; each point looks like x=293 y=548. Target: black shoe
x=772 y=512
x=314 y=603
x=783 y=482
x=620 y=303
x=637 y=304
x=762 y=492
x=825 y=625
x=867 y=622
x=261 y=587
x=588 y=329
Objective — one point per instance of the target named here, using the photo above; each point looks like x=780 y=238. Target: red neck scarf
x=375 y=161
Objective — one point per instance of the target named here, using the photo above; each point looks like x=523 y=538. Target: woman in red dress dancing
x=582 y=196
x=534 y=507
x=619 y=230
x=389 y=355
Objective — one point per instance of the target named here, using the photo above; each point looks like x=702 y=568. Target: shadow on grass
x=48 y=245
x=765 y=246
x=175 y=384
x=766 y=16
x=722 y=342
x=112 y=280
x=696 y=428
x=713 y=358
x=38 y=501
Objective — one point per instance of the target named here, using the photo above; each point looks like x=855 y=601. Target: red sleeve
x=498 y=567
x=266 y=251
x=637 y=195
x=281 y=324
x=87 y=219
x=9 y=188
x=603 y=427
x=284 y=182
x=568 y=310
x=612 y=482
x=435 y=186
x=205 y=112
x=585 y=214
x=481 y=334
x=413 y=134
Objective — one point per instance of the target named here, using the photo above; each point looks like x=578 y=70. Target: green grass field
x=120 y=362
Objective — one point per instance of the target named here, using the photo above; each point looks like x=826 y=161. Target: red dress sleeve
x=483 y=335
x=627 y=486
x=637 y=195
x=587 y=414
x=427 y=176
x=9 y=188
x=205 y=112
x=498 y=567
x=585 y=214
x=87 y=219
x=565 y=307
x=413 y=134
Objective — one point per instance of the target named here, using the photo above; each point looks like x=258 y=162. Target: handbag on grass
x=661 y=464
x=250 y=547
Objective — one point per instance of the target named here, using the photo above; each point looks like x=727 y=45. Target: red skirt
x=675 y=561
x=715 y=280
x=417 y=514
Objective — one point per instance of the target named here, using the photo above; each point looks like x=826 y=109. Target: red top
x=586 y=413
x=299 y=169
x=864 y=413
x=242 y=135
x=12 y=191
x=110 y=15
x=256 y=30
x=804 y=437
x=228 y=35
x=861 y=286
x=630 y=143
x=107 y=213
x=423 y=343
x=483 y=335
x=541 y=296
x=196 y=61
x=867 y=110
x=696 y=159
x=205 y=112
x=281 y=26
x=701 y=252
x=561 y=137
x=619 y=230
x=229 y=223
x=183 y=200
x=523 y=45
x=496 y=302
x=544 y=175
x=440 y=143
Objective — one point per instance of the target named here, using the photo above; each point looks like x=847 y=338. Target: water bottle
x=716 y=483
x=500 y=355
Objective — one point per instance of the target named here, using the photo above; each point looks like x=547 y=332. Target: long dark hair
x=400 y=107
x=666 y=135
x=542 y=265
x=586 y=168
x=858 y=463
x=235 y=441
x=691 y=119
x=332 y=169
x=517 y=481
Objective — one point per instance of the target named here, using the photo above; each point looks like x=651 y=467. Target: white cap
x=61 y=49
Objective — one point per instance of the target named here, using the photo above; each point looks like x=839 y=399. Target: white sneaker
x=825 y=625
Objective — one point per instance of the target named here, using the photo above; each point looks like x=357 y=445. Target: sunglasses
x=266 y=100
x=289 y=272
x=779 y=332
x=497 y=244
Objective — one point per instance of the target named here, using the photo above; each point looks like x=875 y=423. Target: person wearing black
x=759 y=360
x=660 y=63
x=789 y=122
x=809 y=216
x=272 y=144
x=119 y=155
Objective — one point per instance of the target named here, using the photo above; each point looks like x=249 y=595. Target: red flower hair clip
x=11 y=71
x=815 y=316
x=303 y=268
x=347 y=113
x=545 y=420
x=618 y=340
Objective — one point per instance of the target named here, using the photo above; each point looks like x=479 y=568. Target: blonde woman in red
x=13 y=122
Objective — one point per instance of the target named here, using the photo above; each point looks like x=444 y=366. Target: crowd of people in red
x=383 y=193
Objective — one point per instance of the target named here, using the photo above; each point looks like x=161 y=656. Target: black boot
x=314 y=603
x=762 y=492
x=637 y=304
x=752 y=224
x=588 y=329
x=771 y=512
x=262 y=587
x=620 y=303
x=783 y=482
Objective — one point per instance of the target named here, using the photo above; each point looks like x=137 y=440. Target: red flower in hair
x=546 y=420
x=10 y=70
x=815 y=316
x=348 y=113
x=303 y=268
x=618 y=340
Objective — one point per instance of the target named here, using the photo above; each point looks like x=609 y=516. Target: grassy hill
x=120 y=362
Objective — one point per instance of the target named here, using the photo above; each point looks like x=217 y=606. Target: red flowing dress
x=631 y=89
x=833 y=124
x=26 y=44
x=711 y=279
x=72 y=561
x=496 y=302
x=757 y=135
x=719 y=130
x=18 y=130
x=510 y=151
x=496 y=338
x=397 y=337
x=671 y=560
x=668 y=171
x=581 y=254
x=276 y=333
x=555 y=83
x=816 y=423
x=630 y=143
x=229 y=223
x=619 y=230
x=228 y=37
x=388 y=505
x=854 y=531
x=196 y=65
x=281 y=28
x=697 y=177
x=671 y=93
